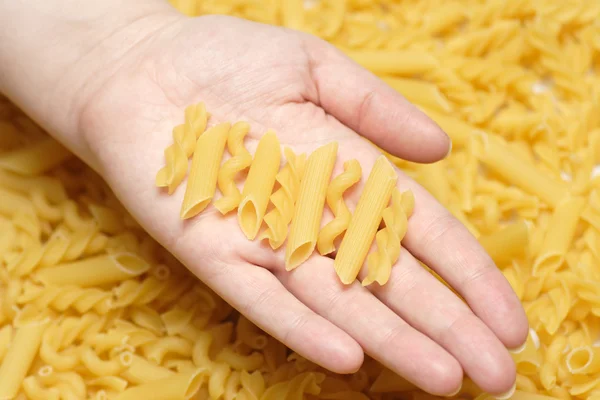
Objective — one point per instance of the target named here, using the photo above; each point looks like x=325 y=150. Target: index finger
x=444 y=244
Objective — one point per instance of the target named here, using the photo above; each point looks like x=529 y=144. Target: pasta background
x=515 y=83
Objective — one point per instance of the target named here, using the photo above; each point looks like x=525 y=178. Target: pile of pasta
x=515 y=83
x=295 y=193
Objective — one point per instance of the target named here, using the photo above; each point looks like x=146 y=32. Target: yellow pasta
x=507 y=243
x=184 y=137
x=306 y=221
x=284 y=199
x=559 y=236
x=239 y=161
x=583 y=360
x=365 y=220
x=388 y=239
x=259 y=185
x=335 y=201
x=35 y=159
x=404 y=62
x=514 y=84
x=95 y=271
x=202 y=181
x=420 y=93
x=179 y=386
x=19 y=358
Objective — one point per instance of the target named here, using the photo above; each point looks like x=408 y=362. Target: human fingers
x=257 y=294
x=380 y=332
x=431 y=308
x=366 y=104
x=444 y=244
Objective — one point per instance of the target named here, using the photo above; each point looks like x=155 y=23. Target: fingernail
x=449 y=149
x=518 y=349
x=508 y=394
x=457 y=391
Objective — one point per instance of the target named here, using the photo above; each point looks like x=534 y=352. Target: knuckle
x=394 y=335
x=297 y=325
x=265 y=297
x=438 y=229
x=364 y=109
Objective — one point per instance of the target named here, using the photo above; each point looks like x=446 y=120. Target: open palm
x=310 y=94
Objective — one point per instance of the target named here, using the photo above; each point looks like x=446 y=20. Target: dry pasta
x=365 y=220
x=304 y=230
x=514 y=83
x=259 y=185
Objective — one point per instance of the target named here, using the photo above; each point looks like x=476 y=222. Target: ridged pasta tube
x=335 y=201
x=284 y=199
x=365 y=220
x=306 y=221
x=202 y=182
x=259 y=185
x=380 y=262
x=239 y=161
x=184 y=140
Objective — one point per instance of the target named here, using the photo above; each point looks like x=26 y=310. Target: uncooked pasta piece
x=338 y=186
x=35 y=159
x=239 y=161
x=202 y=182
x=395 y=218
x=559 y=235
x=420 y=93
x=304 y=229
x=259 y=185
x=403 y=62
x=95 y=271
x=284 y=199
x=506 y=243
x=365 y=220
x=178 y=386
x=19 y=358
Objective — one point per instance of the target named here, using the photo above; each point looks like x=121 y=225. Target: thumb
x=370 y=107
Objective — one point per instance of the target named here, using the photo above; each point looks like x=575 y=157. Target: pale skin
x=111 y=79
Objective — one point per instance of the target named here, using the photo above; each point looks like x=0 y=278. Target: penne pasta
x=365 y=220
x=304 y=230
x=507 y=243
x=420 y=93
x=403 y=62
x=284 y=199
x=259 y=185
x=19 y=358
x=202 y=182
x=95 y=271
x=388 y=239
x=178 y=386
x=559 y=235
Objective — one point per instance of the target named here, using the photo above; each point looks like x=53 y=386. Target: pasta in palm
x=304 y=230
x=339 y=224
x=515 y=85
x=202 y=181
x=388 y=239
x=365 y=220
x=259 y=185
x=239 y=161
x=284 y=199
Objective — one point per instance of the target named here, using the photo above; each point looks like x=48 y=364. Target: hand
x=310 y=94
